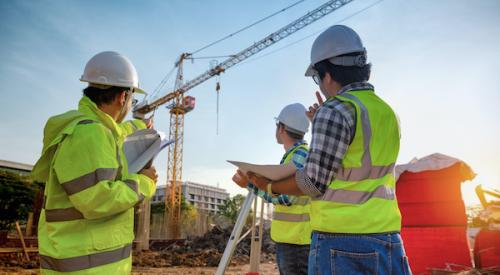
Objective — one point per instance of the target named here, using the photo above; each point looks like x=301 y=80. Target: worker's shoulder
x=87 y=127
x=335 y=106
x=301 y=151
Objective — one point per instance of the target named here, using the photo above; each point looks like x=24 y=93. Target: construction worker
x=349 y=171
x=290 y=228
x=86 y=224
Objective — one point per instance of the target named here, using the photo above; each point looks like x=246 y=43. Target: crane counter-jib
x=312 y=16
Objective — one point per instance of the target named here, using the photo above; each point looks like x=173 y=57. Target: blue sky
x=435 y=62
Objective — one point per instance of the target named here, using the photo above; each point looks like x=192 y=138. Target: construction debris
x=13 y=253
x=202 y=251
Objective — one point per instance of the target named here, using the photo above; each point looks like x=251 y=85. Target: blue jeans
x=292 y=258
x=357 y=254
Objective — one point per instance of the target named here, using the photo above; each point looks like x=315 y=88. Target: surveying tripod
x=234 y=239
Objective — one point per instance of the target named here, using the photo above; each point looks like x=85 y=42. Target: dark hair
x=103 y=96
x=344 y=75
x=291 y=134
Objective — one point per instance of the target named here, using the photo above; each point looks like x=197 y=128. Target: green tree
x=16 y=198
x=159 y=207
x=231 y=207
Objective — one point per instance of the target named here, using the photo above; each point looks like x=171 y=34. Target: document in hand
x=141 y=148
x=271 y=171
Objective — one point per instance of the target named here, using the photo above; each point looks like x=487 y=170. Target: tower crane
x=181 y=104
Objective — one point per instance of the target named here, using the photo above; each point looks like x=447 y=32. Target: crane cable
x=169 y=74
x=312 y=34
x=247 y=27
x=162 y=83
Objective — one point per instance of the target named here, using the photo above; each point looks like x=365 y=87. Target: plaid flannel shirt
x=333 y=129
x=298 y=160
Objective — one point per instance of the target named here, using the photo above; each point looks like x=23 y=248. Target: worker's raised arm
x=333 y=130
x=91 y=172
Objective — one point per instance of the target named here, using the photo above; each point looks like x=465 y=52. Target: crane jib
x=269 y=40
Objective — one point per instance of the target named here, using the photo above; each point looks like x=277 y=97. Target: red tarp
x=434 y=220
x=434 y=247
x=487 y=249
x=432 y=198
x=443 y=213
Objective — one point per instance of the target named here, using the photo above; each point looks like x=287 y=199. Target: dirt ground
x=265 y=269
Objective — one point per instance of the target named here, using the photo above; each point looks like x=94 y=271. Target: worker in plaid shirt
x=349 y=170
x=290 y=228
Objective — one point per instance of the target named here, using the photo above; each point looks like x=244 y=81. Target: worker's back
x=361 y=199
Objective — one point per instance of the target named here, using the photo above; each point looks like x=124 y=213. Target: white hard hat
x=335 y=41
x=107 y=69
x=294 y=117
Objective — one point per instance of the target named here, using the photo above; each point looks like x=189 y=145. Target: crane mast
x=173 y=192
x=178 y=108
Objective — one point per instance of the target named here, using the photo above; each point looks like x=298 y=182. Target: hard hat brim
x=310 y=70
x=107 y=85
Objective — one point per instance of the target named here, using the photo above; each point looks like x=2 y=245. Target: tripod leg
x=256 y=245
x=235 y=234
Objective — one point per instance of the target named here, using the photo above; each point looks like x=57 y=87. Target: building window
x=191 y=196
x=218 y=201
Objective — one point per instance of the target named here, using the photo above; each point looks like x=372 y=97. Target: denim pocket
x=353 y=263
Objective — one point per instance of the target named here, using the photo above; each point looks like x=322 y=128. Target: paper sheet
x=141 y=147
x=270 y=171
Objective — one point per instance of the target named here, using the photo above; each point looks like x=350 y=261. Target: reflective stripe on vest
x=290 y=224
x=367 y=170
x=301 y=201
x=86 y=181
x=85 y=261
x=71 y=213
x=61 y=214
x=358 y=197
x=133 y=185
x=289 y=217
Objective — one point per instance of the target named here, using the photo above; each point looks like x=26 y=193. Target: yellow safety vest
x=86 y=224
x=290 y=224
x=361 y=199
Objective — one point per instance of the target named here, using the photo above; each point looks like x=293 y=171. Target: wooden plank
x=256 y=242
x=29 y=225
x=22 y=240
x=18 y=249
